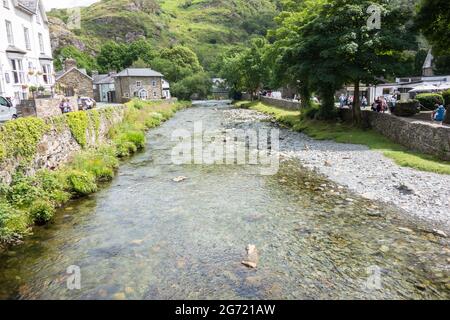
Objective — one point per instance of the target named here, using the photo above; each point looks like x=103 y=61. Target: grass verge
x=344 y=133
x=33 y=200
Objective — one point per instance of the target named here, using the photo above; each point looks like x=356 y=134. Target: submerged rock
x=252 y=257
x=179 y=179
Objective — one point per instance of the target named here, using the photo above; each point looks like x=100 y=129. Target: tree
x=84 y=60
x=330 y=44
x=114 y=56
x=197 y=85
x=247 y=70
x=433 y=19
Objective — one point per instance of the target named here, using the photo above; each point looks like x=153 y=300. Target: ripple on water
x=147 y=237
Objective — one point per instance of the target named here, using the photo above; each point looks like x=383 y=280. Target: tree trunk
x=356 y=110
x=305 y=96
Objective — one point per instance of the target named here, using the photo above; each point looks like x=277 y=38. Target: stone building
x=73 y=81
x=104 y=87
x=144 y=83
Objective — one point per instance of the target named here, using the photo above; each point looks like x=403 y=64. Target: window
x=41 y=43
x=26 y=33
x=38 y=18
x=143 y=94
x=6 y=4
x=17 y=71
x=127 y=95
x=154 y=94
x=9 y=32
x=154 y=83
x=46 y=73
x=386 y=91
x=138 y=84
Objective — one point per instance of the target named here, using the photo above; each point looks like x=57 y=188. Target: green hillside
x=206 y=26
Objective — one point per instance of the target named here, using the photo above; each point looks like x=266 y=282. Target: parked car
x=6 y=109
x=86 y=103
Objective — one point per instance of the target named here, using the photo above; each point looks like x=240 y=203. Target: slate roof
x=103 y=79
x=144 y=72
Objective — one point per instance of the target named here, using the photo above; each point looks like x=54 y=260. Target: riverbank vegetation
x=318 y=47
x=345 y=133
x=30 y=200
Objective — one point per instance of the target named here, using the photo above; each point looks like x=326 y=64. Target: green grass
x=344 y=133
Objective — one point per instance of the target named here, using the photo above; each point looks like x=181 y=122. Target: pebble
x=365 y=171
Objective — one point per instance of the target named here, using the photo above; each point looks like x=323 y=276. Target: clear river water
x=144 y=236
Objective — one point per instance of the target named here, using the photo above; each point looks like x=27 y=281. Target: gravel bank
x=366 y=172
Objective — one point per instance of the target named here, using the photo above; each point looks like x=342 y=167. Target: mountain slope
x=206 y=26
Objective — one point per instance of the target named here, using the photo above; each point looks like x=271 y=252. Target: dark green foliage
x=84 y=60
x=446 y=96
x=429 y=100
x=195 y=86
x=407 y=108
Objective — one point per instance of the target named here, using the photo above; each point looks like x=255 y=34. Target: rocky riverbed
x=366 y=172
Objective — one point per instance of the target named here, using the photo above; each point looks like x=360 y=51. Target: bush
x=13 y=222
x=101 y=163
x=446 y=96
x=41 y=212
x=152 y=122
x=428 y=100
x=407 y=108
x=311 y=112
x=81 y=183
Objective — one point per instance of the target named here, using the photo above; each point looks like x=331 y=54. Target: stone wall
x=416 y=136
x=58 y=145
x=281 y=103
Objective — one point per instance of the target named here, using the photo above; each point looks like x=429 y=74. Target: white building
x=166 y=89
x=25 y=52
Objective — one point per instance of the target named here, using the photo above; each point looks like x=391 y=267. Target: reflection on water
x=147 y=237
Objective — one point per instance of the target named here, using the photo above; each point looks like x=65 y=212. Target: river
x=144 y=236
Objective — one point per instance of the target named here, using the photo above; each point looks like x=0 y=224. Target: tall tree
x=433 y=19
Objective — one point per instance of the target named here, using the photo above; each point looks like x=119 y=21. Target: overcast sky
x=50 y=4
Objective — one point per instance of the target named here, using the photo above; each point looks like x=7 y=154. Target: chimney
x=69 y=63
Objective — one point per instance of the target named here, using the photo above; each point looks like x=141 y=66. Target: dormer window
x=6 y=4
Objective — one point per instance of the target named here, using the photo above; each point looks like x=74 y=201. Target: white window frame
x=41 y=43
x=26 y=33
x=17 y=71
x=155 y=94
x=141 y=95
x=154 y=83
x=9 y=32
x=47 y=73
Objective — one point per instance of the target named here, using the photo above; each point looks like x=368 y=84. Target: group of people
x=385 y=103
x=65 y=106
x=347 y=100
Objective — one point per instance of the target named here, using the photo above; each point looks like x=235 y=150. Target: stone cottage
x=143 y=83
x=73 y=81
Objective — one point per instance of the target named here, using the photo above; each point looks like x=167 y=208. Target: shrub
x=13 y=222
x=41 y=212
x=78 y=123
x=428 y=100
x=446 y=96
x=311 y=112
x=81 y=183
x=125 y=149
x=152 y=122
x=101 y=163
x=54 y=186
x=407 y=108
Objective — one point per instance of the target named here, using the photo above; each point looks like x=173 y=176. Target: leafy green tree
x=433 y=19
x=195 y=86
x=84 y=60
x=248 y=69
x=329 y=43
x=114 y=56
